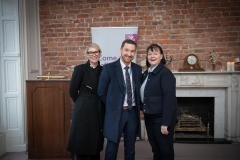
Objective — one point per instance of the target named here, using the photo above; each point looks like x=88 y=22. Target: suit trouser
x=129 y=127
x=162 y=145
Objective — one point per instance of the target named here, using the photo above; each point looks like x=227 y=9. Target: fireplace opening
x=195 y=117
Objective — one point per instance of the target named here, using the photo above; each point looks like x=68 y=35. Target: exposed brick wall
x=181 y=27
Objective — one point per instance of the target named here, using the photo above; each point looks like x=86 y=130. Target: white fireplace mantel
x=224 y=86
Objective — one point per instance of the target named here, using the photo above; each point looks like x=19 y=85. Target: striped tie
x=129 y=89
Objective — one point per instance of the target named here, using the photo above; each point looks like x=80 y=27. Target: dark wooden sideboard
x=48 y=119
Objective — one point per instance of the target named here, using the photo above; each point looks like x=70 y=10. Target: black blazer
x=160 y=94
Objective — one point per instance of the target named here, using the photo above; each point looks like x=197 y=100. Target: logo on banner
x=133 y=37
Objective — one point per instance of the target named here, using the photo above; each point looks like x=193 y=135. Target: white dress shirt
x=124 y=76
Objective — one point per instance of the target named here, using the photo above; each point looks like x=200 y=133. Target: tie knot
x=126 y=68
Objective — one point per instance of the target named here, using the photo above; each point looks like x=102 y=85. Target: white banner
x=110 y=39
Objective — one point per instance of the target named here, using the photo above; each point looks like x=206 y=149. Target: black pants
x=162 y=145
x=88 y=157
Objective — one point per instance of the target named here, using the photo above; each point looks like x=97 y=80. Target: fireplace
x=225 y=89
x=216 y=106
x=195 y=117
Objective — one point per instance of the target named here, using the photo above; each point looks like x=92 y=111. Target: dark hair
x=153 y=47
x=129 y=41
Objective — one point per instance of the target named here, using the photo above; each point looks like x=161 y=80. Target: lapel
x=119 y=73
x=144 y=75
x=91 y=76
x=158 y=68
x=155 y=71
x=134 y=75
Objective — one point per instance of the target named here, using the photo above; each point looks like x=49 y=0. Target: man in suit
x=119 y=90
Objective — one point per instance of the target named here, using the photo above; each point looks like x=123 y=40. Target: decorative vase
x=213 y=67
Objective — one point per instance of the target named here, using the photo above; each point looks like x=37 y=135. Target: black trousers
x=88 y=157
x=162 y=145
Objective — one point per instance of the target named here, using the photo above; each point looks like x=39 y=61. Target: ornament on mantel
x=143 y=65
x=213 y=57
x=168 y=58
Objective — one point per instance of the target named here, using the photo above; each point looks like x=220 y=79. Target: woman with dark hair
x=86 y=136
x=159 y=102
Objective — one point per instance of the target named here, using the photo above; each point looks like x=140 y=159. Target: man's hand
x=164 y=130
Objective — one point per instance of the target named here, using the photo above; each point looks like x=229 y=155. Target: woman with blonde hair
x=86 y=137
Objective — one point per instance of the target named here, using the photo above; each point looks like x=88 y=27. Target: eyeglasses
x=92 y=53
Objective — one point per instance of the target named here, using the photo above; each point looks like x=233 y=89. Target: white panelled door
x=11 y=108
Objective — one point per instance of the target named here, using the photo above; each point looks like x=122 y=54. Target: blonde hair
x=93 y=45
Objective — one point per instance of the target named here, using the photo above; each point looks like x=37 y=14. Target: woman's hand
x=164 y=130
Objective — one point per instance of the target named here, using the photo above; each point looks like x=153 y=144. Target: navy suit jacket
x=111 y=91
x=160 y=94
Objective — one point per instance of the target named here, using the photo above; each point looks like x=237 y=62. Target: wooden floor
x=183 y=151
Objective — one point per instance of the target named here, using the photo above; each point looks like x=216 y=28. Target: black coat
x=86 y=136
x=160 y=94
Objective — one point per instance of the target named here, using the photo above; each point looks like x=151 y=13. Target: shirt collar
x=124 y=65
x=151 y=69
